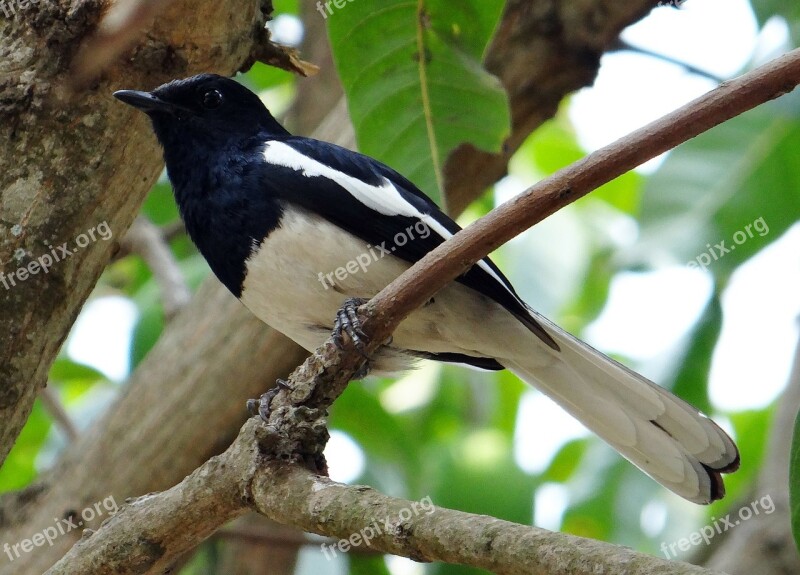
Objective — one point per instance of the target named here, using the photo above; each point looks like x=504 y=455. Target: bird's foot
x=261 y=406
x=347 y=322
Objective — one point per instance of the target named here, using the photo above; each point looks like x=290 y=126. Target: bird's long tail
x=658 y=432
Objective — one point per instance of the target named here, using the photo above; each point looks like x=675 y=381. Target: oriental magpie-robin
x=294 y=226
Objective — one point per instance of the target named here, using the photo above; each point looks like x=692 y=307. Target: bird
x=301 y=231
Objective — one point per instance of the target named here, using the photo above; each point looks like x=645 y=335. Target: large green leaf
x=737 y=185
x=690 y=382
x=415 y=85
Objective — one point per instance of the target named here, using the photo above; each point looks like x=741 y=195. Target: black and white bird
x=294 y=226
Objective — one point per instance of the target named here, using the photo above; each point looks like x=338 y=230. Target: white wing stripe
x=385 y=199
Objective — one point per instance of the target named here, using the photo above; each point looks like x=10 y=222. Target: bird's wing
x=375 y=203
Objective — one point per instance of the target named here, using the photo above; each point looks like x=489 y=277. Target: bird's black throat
x=222 y=200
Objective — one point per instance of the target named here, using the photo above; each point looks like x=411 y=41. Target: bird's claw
x=261 y=406
x=347 y=322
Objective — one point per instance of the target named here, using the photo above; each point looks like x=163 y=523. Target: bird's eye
x=212 y=99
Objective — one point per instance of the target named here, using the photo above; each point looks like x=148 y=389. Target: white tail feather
x=658 y=432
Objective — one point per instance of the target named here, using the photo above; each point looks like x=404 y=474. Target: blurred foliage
x=449 y=433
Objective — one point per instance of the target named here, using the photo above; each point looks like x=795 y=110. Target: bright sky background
x=752 y=359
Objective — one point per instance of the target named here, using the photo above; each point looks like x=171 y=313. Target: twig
x=146 y=239
x=262 y=469
x=52 y=403
x=621 y=45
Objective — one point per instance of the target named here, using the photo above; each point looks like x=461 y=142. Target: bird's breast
x=301 y=273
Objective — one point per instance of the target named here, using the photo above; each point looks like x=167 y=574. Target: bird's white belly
x=301 y=275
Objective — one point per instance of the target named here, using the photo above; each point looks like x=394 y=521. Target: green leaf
x=64 y=369
x=19 y=468
x=594 y=288
x=794 y=482
x=738 y=185
x=566 y=461
x=415 y=85
x=690 y=382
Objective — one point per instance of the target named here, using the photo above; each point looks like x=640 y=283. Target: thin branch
x=622 y=46
x=146 y=239
x=173 y=230
x=52 y=403
x=266 y=468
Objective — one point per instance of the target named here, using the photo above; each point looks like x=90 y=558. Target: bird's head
x=205 y=110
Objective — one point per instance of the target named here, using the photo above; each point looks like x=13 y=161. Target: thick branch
x=224 y=486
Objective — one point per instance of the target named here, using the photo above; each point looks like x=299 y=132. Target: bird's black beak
x=147 y=102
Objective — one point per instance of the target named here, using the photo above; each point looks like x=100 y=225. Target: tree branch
x=145 y=238
x=266 y=467
x=146 y=534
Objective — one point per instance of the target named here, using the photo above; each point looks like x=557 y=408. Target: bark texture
x=75 y=160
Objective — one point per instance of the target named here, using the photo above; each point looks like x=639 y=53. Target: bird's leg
x=347 y=321
x=261 y=406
